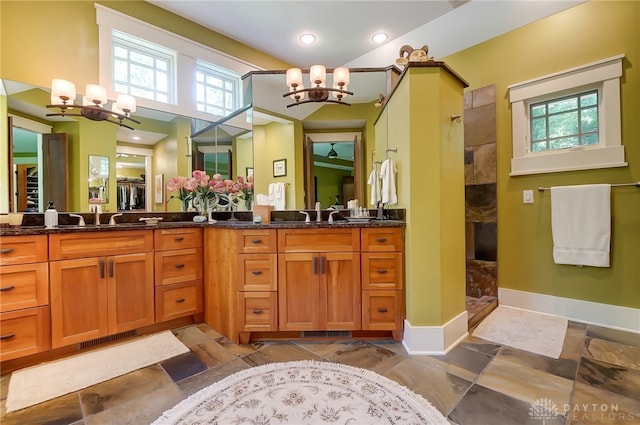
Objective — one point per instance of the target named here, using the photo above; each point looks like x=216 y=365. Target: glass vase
x=232 y=207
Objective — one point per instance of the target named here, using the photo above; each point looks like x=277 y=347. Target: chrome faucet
x=318 y=212
x=331 y=215
x=306 y=214
x=81 y=222
x=112 y=219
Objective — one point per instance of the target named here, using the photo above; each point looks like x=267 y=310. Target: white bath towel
x=388 y=172
x=374 y=182
x=581 y=224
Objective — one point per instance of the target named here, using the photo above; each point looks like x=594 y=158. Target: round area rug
x=304 y=392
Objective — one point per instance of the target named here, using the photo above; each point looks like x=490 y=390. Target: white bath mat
x=49 y=380
x=525 y=330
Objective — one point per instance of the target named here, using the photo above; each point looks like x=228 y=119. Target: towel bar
x=542 y=189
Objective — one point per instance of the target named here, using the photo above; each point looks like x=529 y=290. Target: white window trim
x=188 y=53
x=609 y=152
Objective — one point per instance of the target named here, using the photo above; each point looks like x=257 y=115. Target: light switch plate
x=527 y=196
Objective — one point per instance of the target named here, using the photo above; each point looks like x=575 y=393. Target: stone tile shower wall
x=480 y=191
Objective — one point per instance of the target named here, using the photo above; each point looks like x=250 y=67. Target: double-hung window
x=569 y=120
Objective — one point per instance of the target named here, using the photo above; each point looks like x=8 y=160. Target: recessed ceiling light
x=380 y=37
x=136 y=138
x=307 y=38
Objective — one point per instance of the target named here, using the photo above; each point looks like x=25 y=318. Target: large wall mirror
x=246 y=142
x=325 y=142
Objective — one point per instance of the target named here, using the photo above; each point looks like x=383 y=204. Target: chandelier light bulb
x=294 y=77
x=318 y=75
x=62 y=91
x=96 y=94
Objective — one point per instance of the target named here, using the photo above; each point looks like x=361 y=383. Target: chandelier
x=318 y=92
x=63 y=95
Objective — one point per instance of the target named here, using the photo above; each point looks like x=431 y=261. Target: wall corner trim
x=435 y=340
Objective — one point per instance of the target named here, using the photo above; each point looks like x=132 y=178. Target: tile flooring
x=596 y=380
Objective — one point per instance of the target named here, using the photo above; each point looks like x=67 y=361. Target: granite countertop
x=33 y=224
x=340 y=224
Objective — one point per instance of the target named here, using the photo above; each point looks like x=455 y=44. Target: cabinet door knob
x=110 y=268
x=102 y=269
x=256 y=272
x=315 y=265
x=257 y=311
x=322 y=270
x=382 y=271
x=178 y=239
x=179 y=266
x=180 y=300
x=6 y=250
x=7 y=288
x=256 y=240
x=7 y=336
x=381 y=240
x=382 y=310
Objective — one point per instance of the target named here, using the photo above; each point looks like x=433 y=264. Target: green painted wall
x=586 y=33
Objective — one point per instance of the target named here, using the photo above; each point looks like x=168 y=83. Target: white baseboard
x=435 y=340
x=607 y=315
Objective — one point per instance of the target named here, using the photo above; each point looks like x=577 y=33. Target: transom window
x=216 y=90
x=142 y=69
x=565 y=122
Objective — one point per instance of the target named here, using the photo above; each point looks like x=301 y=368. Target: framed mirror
x=98 y=179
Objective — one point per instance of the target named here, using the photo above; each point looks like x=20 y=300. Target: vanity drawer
x=382 y=310
x=382 y=270
x=23 y=249
x=24 y=332
x=319 y=240
x=178 y=300
x=257 y=272
x=378 y=239
x=257 y=241
x=180 y=265
x=24 y=286
x=67 y=246
x=257 y=311
x=166 y=239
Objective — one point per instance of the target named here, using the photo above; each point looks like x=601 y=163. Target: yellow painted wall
x=430 y=183
x=586 y=33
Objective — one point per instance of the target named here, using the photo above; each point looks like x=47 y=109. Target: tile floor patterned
x=595 y=381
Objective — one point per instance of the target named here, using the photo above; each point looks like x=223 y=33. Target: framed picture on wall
x=249 y=172
x=280 y=167
x=158 y=187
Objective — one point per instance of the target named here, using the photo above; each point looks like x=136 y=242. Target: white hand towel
x=581 y=224
x=374 y=182
x=272 y=188
x=279 y=196
x=388 y=176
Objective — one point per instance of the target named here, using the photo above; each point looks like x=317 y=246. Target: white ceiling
x=344 y=28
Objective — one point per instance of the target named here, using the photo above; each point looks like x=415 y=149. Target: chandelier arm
x=317 y=88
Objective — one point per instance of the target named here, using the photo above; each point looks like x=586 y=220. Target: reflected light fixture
x=332 y=153
x=63 y=95
x=318 y=92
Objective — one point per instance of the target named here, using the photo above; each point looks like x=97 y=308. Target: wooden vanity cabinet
x=178 y=273
x=100 y=284
x=24 y=296
x=383 y=280
x=319 y=279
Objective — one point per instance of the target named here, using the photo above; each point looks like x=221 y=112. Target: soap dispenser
x=51 y=216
